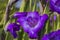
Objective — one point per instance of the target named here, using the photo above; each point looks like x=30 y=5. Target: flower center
x=32 y=21
x=57 y=3
x=56 y=37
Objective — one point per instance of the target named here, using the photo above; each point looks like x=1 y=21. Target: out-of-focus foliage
x=3 y=4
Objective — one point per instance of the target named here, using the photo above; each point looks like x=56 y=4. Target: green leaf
x=20 y=34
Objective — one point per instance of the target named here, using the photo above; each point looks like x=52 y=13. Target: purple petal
x=12 y=28
x=14 y=34
x=33 y=14
x=55 y=17
x=32 y=35
x=55 y=5
x=23 y=23
x=45 y=37
x=41 y=23
x=19 y=14
x=55 y=35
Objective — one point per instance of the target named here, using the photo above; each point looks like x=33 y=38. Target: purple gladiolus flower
x=55 y=35
x=55 y=5
x=12 y=28
x=31 y=22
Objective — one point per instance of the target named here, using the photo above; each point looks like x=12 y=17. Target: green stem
x=34 y=7
x=6 y=36
x=20 y=34
x=22 y=6
x=55 y=23
x=58 y=24
x=30 y=5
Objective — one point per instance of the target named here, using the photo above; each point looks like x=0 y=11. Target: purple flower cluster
x=31 y=23
x=55 y=6
x=55 y=35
